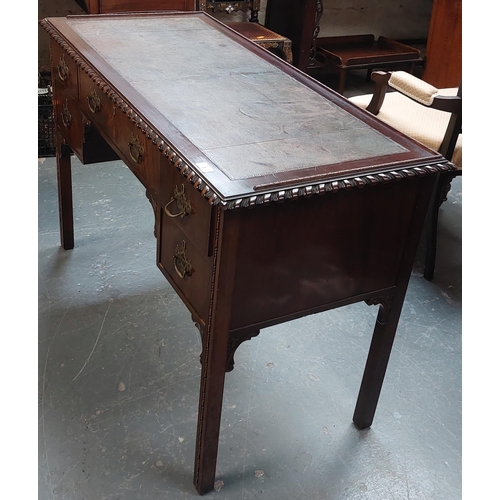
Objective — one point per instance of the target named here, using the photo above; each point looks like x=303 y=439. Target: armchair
x=431 y=116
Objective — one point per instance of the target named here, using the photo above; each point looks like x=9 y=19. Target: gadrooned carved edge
x=187 y=170
x=337 y=185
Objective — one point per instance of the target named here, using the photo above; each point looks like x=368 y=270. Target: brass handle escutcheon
x=135 y=149
x=182 y=264
x=94 y=102
x=66 y=115
x=62 y=69
x=183 y=204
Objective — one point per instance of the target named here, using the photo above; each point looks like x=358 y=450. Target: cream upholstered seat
x=429 y=115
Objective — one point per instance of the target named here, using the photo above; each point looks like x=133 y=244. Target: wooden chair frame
x=450 y=104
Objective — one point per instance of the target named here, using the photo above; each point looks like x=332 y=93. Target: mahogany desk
x=274 y=197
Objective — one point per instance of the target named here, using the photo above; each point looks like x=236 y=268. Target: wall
x=401 y=19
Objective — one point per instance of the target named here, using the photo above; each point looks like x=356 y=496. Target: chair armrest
x=423 y=93
x=381 y=79
x=413 y=88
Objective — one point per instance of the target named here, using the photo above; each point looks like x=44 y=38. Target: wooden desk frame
x=245 y=254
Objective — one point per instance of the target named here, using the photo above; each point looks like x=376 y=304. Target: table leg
x=388 y=315
x=213 y=370
x=342 y=80
x=65 y=191
x=431 y=229
x=441 y=189
x=214 y=358
x=378 y=358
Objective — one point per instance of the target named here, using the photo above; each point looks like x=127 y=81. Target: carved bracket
x=446 y=185
x=385 y=302
x=151 y=196
x=234 y=342
x=201 y=331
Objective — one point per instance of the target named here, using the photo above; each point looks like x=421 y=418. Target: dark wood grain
x=110 y=6
x=443 y=67
x=294 y=19
x=351 y=243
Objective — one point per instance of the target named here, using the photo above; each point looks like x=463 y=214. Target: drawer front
x=186 y=268
x=68 y=118
x=185 y=206
x=96 y=105
x=138 y=152
x=64 y=69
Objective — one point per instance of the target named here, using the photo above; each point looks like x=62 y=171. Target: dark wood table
x=278 y=44
x=274 y=197
x=364 y=52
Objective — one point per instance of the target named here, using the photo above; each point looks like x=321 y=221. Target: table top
x=240 y=118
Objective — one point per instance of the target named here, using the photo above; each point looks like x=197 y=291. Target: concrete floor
x=119 y=373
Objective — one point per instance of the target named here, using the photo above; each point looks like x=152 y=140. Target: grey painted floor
x=119 y=374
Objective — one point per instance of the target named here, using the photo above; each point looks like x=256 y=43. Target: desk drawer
x=135 y=149
x=64 y=69
x=185 y=206
x=185 y=267
x=96 y=105
x=68 y=118
x=138 y=152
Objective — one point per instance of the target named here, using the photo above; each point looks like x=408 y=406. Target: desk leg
x=65 y=191
x=214 y=355
x=389 y=312
x=378 y=358
x=213 y=370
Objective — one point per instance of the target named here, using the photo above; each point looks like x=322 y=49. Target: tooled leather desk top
x=254 y=119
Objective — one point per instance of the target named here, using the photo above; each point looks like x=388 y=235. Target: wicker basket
x=46 y=127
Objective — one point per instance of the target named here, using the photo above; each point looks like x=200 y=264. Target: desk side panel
x=302 y=256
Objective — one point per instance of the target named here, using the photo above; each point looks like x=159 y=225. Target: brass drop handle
x=66 y=115
x=183 y=204
x=94 y=102
x=135 y=149
x=62 y=69
x=182 y=264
